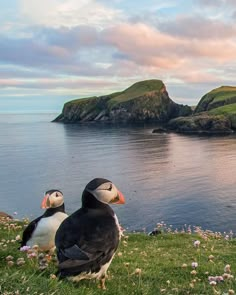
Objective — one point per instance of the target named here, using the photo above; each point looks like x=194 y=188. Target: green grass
x=143 y=265
x=216 y=98
x=223 y=93
x=229 y=109
x=136 y=90
x=224 y=88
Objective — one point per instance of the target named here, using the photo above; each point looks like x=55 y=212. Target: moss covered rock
x=203 y=123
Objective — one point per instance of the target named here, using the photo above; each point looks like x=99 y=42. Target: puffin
x=41 y=231
x=87 y=240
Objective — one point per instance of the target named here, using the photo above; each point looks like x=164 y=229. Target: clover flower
x=227 y=276
x=194 y=264
x=35 y=247
x=211 y=278
x=53 y=277
x=193 y=272
x=9 y=258
x=32 y=255
x=227 y=268
x=43 y=262
x=216 y=279
x=210 y=258
x=231 y=291
x=20 y=261
x=196 y=243
x=24 y=248
x=138 y=271
x=10 y=263
x=219 y=279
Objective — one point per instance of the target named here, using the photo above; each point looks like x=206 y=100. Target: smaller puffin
x=41 y=231
x=87 y=240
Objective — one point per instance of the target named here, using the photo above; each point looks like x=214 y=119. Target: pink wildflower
x=194 y=264
x=31 y=255
x=196 y=243
x=24 y=248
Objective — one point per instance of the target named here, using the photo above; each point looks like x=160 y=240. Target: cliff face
x=215 y=113
x=143 y=101
x=224 y=95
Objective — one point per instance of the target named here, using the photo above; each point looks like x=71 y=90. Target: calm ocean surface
x=173 y=178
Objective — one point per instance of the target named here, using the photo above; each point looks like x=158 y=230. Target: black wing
x=27 y=234
x=84 y=241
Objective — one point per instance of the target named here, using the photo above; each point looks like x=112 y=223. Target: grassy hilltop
x=169 y=263
x=224 y=95
x=143 y=101
x=136 y=90
x=220 y=101
x=215 y=112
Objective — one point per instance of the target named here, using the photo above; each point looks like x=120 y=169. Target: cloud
x=214 y=3
x=66 y=46
x=199 y=27
x=69 y=38
x=56 y=13
x=119 y=51
x=217 y=3
x=148 y=46
x=77 y=84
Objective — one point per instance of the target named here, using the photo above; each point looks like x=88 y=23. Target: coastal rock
x=220 y=101
x=146 y=101
x=5 y=215
x=160 y=130
x=214 y=114
x=203 y=123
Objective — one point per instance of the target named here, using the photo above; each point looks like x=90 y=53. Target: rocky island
x=215 y=113
x=148 y=101
x=145 y=101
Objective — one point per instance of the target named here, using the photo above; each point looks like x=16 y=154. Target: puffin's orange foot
x=102 y=284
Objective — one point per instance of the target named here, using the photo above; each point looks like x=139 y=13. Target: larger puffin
x=87 y=240
x=41 y=231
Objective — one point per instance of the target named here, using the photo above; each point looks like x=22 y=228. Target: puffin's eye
x=57 y=195
x=110 y=188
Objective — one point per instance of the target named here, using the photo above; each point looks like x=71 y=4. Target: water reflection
x=175 y=178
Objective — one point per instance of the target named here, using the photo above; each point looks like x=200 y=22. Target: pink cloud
x=199 y=27
x=56 y=83
x=10 y=83
x=147 y=46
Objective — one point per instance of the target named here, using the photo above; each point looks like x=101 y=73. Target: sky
x=52 y=51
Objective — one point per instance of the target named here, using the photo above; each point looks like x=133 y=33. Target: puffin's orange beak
x=120 y=199
x=45 y=202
